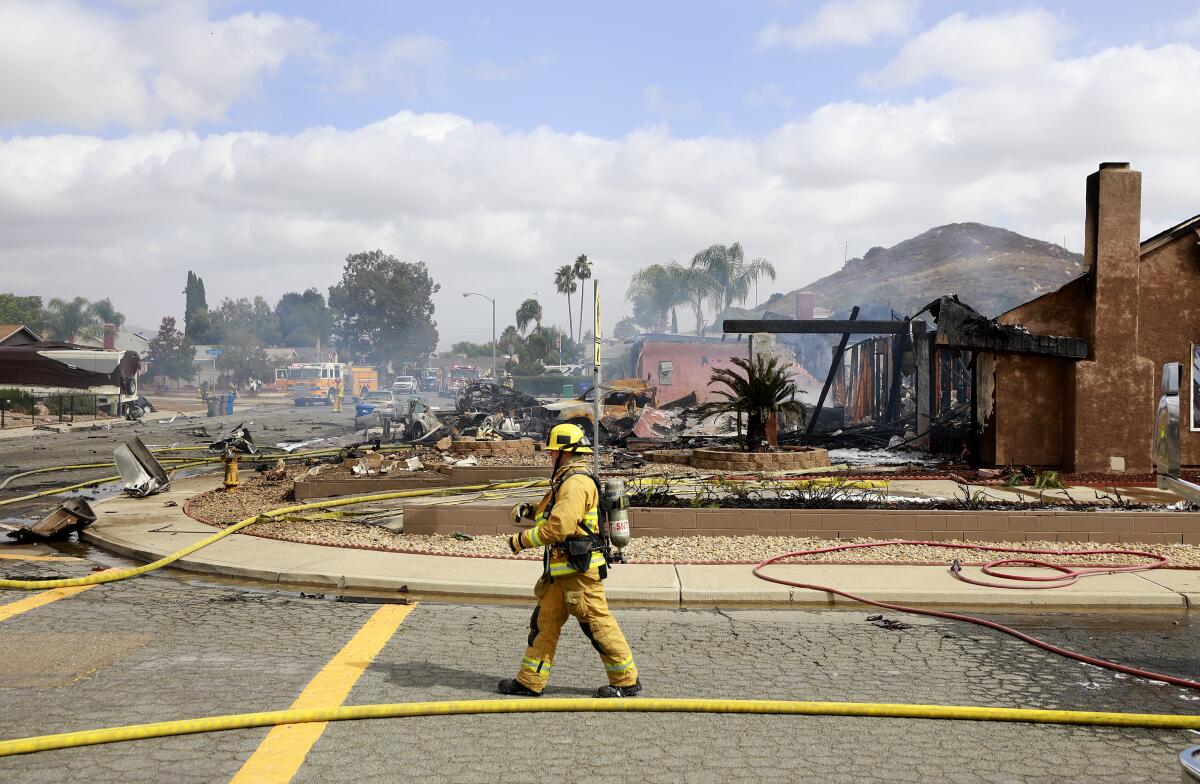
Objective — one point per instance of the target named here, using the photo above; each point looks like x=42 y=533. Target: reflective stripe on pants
x=580 y=595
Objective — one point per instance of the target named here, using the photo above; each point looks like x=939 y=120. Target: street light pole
x=495 y=377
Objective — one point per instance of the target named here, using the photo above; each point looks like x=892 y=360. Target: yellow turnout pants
x=580 y=595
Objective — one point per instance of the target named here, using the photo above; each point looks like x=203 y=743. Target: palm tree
x=732 y=276
x=71 y=321
x=530 y=312
x=698 y=287
x=582 y=270
x=657 y=289
x=564 y=283
x=107 y=314
x=764 y=387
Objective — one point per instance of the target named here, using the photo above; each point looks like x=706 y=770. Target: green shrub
x=16 y=400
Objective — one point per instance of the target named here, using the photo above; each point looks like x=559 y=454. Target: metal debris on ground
x=74 y=514
x=623 y=459
x=891 y=624
x=239 y=439
x=140 y=472
x=490 y=398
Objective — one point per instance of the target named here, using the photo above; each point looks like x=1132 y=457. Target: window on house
x=664 y=372
x=1195 y=387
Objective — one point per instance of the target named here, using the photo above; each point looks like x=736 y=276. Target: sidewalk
x=147 y=529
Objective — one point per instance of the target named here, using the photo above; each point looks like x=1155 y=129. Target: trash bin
x=215 y=404
x=568 y=390
x=229 y=404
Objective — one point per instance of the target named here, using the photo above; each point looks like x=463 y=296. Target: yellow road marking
x=286 y=746
x=19 y=557
x=37 y=600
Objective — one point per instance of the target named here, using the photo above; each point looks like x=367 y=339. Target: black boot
x=619 y=691
x=514 y=688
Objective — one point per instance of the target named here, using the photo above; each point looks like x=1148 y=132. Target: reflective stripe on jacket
x=576 y=512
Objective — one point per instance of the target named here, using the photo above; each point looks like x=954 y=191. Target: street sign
x=214 y=352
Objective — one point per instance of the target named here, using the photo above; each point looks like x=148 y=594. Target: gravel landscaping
x=339 y=527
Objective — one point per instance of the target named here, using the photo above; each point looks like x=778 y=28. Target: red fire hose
x=1066 y=576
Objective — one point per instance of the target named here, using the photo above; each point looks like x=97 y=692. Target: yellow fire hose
x=176 y=463
x=113 y=575
x=590 y=705
x=398 y=710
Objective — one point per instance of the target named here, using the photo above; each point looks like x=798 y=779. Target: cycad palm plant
x=764 y=387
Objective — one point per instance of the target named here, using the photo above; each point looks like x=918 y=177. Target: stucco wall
x=1136 y=312
x=1027 y=419
x=1169 y=323
x=692 y=366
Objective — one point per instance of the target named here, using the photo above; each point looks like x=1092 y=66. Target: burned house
x=1136 y=309
x=682 y=365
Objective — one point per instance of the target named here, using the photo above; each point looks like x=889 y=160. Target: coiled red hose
x=1067 y=576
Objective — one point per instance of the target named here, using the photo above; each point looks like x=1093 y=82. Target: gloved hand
x=514 y=543
x=522 y=512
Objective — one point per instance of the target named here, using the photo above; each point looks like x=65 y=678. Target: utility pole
x=595 y=375
x=495 y=378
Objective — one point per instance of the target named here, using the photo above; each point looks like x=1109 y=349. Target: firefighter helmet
x=568 y=438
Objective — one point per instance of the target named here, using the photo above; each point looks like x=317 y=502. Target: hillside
x=990 y=269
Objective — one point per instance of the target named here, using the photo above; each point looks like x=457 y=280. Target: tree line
x=379 y=313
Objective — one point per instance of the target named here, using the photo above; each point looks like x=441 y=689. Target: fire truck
x=315 y=383
x=460 y=375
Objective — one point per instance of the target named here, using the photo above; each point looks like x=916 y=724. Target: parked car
x=405 y=385
x=621 y=399
x=380 y=401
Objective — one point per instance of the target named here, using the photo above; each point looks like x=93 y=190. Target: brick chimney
x=1106 y=437
x=1111 y=249
x=110 y=337
x=805 y=301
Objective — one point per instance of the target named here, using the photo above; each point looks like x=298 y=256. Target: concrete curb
x=148 y=529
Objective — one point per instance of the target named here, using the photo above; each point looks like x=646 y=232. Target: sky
x=259 y=144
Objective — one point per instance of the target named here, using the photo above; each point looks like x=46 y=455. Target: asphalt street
x=169 y=646
x=270 y=420
x=172 y=646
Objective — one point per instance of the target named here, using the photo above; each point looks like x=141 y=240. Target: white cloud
x=61 y=63
x=497 y=211
x=408 y=65
x=844 y=22
x=769 y=96
x=968 y=50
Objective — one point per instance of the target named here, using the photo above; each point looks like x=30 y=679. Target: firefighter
x=336 y=404
x=568 y=527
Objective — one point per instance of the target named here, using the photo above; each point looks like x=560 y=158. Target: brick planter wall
x=728 y=460
x=517 y=448
x=305 y=489
x=1098 y=527
x=673 y=456
x=477 y=475
x=794 y=458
